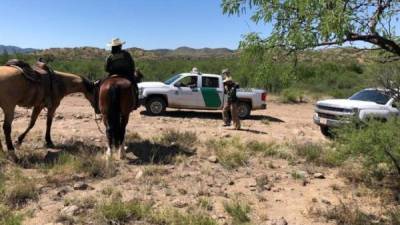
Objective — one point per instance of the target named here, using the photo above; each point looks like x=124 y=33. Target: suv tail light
x=264 y=97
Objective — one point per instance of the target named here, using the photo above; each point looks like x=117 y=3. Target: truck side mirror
x=178 y=85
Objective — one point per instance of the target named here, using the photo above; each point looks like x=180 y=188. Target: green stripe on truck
x=211 y=97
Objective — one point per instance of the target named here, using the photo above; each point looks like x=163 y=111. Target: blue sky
x=146 y=24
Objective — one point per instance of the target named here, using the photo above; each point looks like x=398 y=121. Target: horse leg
x=121 y=150
x=35 y=113
x=8 y=119
x=49 y=122
x=108 y=155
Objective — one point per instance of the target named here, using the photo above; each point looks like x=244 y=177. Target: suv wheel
x=244 y=110
x=156 y=106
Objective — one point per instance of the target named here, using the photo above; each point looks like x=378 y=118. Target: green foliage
x=304 y=24
x=231 y=153
x=174 y=217
x=68 y=164
x=351 y=214
x=182 y=139
x=238 y=211
x=318 y=154
x=19 y=190
x=375 y=143
x=292 y=95
x=117 y=212
x=8 y=217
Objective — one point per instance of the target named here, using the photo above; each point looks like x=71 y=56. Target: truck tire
x=244 y=110
x=156 y=106
x=326 y=131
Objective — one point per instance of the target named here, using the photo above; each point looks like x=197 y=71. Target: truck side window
x=190 y=81
x=210 y=82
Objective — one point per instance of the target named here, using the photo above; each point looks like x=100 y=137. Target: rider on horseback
x=121 y=63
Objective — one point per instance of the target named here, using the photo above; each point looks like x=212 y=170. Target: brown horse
x=116 y=101
x=15 y=90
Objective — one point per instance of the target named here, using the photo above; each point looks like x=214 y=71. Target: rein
x=97 y=123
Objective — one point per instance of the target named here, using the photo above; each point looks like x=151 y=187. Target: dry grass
x=238 y=211
x=19 y=190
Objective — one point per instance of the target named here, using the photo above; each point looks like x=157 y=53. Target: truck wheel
x=326 y=131
x=244 y=110
x=156 y=106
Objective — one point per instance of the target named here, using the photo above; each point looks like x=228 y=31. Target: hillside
x=14 y=49
x=92 y=52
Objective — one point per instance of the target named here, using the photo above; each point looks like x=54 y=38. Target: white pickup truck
x=368 y=103
x=196 y=91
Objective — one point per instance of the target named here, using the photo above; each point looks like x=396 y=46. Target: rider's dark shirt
x=120 y=63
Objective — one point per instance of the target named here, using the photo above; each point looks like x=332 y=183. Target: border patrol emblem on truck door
x=211 y=97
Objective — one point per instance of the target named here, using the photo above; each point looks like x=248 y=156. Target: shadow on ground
x=148 y=152
x=210 y=115
x=29 y=158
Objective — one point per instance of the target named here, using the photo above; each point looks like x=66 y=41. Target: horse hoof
x=49 y=145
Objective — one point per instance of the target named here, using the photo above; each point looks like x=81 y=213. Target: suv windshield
x=172 y=79
x=376 y=96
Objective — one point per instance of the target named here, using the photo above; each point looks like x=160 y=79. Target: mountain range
x=93 y=52
x=14 y=49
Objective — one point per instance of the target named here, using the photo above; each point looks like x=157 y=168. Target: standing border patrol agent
x=120 y=62
x=230 y=110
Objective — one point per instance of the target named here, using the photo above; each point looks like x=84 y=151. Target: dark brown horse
x=15 y=90
x=116 y=101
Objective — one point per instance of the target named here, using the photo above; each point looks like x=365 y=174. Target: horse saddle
x=39 y=73
x=34 y=73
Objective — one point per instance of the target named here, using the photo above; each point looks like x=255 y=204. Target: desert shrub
x=205 y=203
x=238 y=211
x=321 y=155
x=174 y=217
x=349 y=214
x=118 y=212
x=270 y=149
x=68 y=164
x=183 y=139
x=374 y=143
x=292 y=95
x=8 y=217
x=19 y=190
x=231 y=153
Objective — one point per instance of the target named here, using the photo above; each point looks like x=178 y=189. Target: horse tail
x=114 y=115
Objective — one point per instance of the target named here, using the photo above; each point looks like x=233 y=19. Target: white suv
x=368 y=103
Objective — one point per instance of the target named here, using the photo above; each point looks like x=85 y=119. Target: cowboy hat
x=225 y=71
x=115 y=42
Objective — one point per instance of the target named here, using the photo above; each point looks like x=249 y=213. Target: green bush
x=375 y=143
x=231 y=153
x=292 y=95
x=117 y=212
x=8 y=217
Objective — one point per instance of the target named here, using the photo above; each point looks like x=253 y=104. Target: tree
x=303 y=24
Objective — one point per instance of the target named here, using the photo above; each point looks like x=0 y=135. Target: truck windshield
x=172 y=79
x=376 y=96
